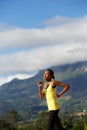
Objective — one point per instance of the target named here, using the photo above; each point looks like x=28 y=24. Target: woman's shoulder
x=53 y=83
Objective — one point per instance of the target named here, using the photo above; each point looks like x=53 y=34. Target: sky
x=38 y=34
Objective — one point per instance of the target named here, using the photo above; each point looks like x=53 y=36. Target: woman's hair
x=52 y=73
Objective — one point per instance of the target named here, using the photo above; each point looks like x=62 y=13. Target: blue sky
x=36 y=34
x=31 y=13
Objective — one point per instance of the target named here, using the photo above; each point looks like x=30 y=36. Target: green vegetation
x=70 y=122
x=85 y=126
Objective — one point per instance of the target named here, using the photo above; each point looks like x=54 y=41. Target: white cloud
x=42 y=57
x=61 y=20
x=64 y=43
x=74 y=30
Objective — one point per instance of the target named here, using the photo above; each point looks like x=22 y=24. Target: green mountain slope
x=23 y=96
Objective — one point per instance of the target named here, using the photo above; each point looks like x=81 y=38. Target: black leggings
x=54 y=121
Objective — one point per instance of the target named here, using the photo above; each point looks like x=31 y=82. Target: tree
x=13 y=117
x=4 y=125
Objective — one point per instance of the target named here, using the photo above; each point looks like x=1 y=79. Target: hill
x=22 y=95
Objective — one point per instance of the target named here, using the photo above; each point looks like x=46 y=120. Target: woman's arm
x=65 y=86
x=41 y=92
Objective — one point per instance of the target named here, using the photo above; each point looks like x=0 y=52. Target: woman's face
x=47 y=75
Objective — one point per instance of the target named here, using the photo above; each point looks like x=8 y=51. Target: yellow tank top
x=50 y=97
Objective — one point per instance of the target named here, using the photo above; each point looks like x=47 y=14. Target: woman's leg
x=54 y=120
x=51 y=120
x=58 y=122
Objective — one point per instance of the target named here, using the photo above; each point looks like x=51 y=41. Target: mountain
x=22 y=95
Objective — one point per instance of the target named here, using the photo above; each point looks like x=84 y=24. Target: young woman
x=51 y=96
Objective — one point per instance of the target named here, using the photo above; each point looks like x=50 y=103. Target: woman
x=51 y=96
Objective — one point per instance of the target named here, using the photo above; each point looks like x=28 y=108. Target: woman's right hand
x=40 y=83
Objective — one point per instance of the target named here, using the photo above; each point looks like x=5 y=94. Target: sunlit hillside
x=22 y=95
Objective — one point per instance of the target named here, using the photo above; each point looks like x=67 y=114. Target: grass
x=85 y=127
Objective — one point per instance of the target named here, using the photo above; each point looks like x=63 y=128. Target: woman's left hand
x=57 y=95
